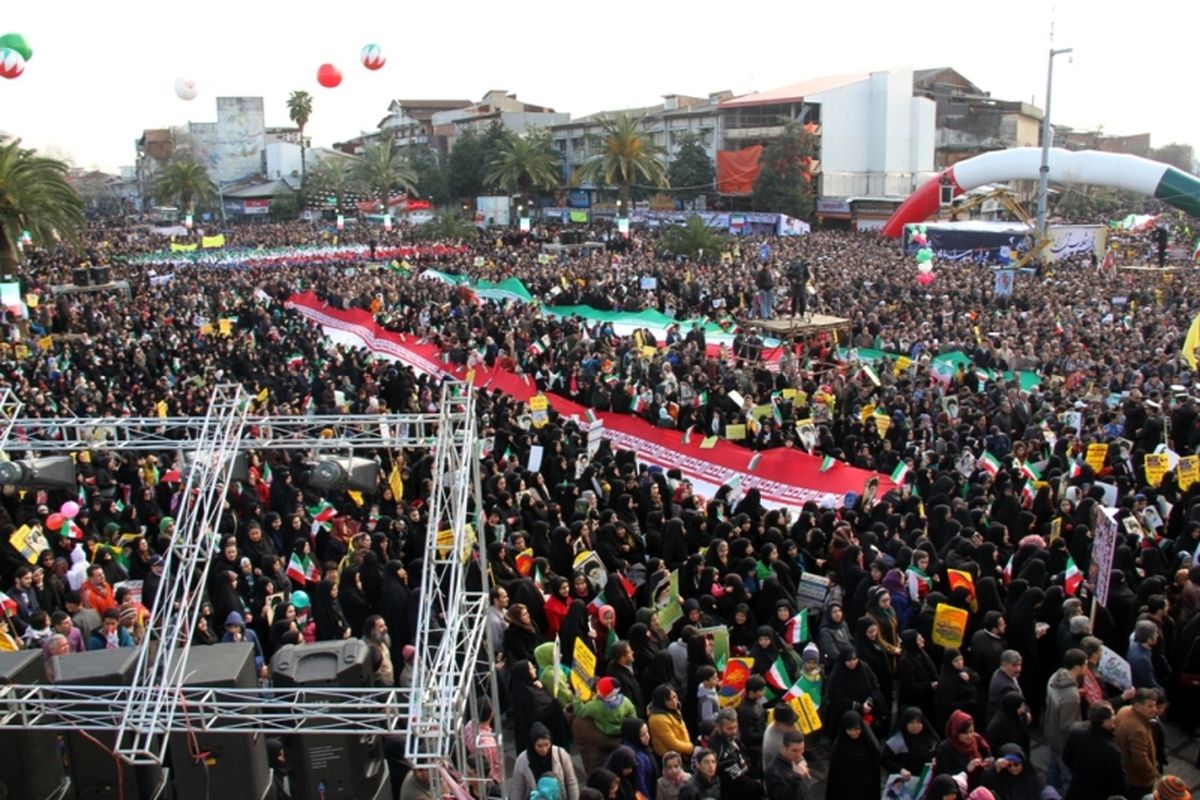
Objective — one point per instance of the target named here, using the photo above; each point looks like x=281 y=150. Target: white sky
x=101 y=72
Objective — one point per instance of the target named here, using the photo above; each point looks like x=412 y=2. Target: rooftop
x=795 y=92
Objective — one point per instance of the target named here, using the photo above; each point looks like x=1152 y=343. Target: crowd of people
x=899 y=714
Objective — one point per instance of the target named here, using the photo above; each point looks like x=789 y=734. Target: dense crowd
x=656 y=718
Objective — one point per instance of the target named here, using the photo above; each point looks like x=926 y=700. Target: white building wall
x=283 y=160
x=241 y=137
x=845 y=125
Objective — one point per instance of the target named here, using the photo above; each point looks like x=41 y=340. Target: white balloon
x=185 y=89
x=925 y=267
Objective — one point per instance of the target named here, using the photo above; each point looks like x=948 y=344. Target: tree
x=382 y=169
x=332 y=178
x=784 y=182
x=432 y=178
x=285 y=207
x=695 y=240
x=299 y=105
x=691 y=172
x=1178 y=155
x=524 y=163
x=188 y=183
x=627 y=156
x=36 y=197
x=445 y=226
x=468 y=161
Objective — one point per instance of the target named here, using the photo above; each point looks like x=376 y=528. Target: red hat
x=606 y=687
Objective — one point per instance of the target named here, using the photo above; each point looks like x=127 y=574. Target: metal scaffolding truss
x=451 y=638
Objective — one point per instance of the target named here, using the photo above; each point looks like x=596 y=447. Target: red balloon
x=55 y=521
x=925 y=278
x=329 y=76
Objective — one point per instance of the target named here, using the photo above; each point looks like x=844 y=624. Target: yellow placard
x=1055 y=529
x=1188 y=471
x=225 y=326
x=866 y=412
x=538 y=403
x=161 y=407
x=584 y=660
x=708 y=443
x=206 y=330
x=582 y=690
x=1096 y=453
x=208 y=242
x=21 y=352
x=45 y=343
x=807 y=717
x=1156 y=465
x=29 y=542
x=789 y=394
x=182 y=248
x=649 y=351
x=735 y=432
x=949 y=625
x=765 y=410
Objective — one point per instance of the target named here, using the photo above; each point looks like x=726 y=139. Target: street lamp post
x=1044 y=170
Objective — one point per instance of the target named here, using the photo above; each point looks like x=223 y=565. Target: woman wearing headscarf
x=576 y=626
x=531 y=703
x=605 y=784
x=834 y=634
x=963 y=750
x=957 y=688
x=353 y=600
x=901 y=606
x=643 y=647
x=668 y=731
x=870 y=649
x=674 y=545
x=503 y=567
x=330 y=623
x=855 y=760
x=522 y=636
x=699 y=653
x=879 y=610
x=635 y=735
x=742 y=630
x=1009 y=724
x=543 y=757
x=622 y=762
x=394 y=606
x=1022 y=635
x=917 y=675
x=913 y=744
x=852 y=686
x=557 y=602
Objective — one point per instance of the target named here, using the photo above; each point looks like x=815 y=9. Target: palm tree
x=299 y=105
x=333 y=176
x=523 y=163
x=695 y=240
x=383 y=168
x=187 y=182
x=34 y=197
x=628 y=156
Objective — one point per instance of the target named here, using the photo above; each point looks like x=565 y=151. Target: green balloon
x=924 y=254
x=15 y=41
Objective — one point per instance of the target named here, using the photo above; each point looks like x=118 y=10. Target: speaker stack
x=95 y=773
x=331 y=766
x=207 y=764
x=99 y=275
x=80 y=276
x=33 y=764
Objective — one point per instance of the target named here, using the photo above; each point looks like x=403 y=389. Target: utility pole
x=1044 y=170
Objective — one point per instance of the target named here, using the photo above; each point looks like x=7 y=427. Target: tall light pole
x=1044 y=170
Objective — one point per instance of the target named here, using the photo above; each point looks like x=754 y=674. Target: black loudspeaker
x=94 y=771
x=328 y=766
x=33 y=764
x=231 y=764
x=80 y=276
x=945 y=195
x=99 y=275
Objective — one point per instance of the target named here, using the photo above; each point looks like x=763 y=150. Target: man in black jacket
x=704 y=783
x=1093 y=757
x=733 y=769
x=787 y=776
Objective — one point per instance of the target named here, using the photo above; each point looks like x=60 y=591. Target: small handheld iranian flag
x=1008 y=570
x=754 y=461
x=301 y=569
x=9 y=605
x=990 y=464
x=1030 y=471
x=796 y=629
x=900 y=473
x=827 y=463
x=1027 y=494
x=1075 y=470
x=1072 y=578
x=778 y=677
x=322 y=514
x=687 y=435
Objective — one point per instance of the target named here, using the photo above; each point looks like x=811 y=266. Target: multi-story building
x=970 y=121
x=579 y=139
x=1137 y=144
x=497 y=106
x=876 y=140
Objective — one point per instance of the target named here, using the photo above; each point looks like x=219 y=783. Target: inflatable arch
x=1119 y=170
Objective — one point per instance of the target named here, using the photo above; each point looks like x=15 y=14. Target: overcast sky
x=101 y=72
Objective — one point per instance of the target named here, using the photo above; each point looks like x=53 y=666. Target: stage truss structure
x=453 y=663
